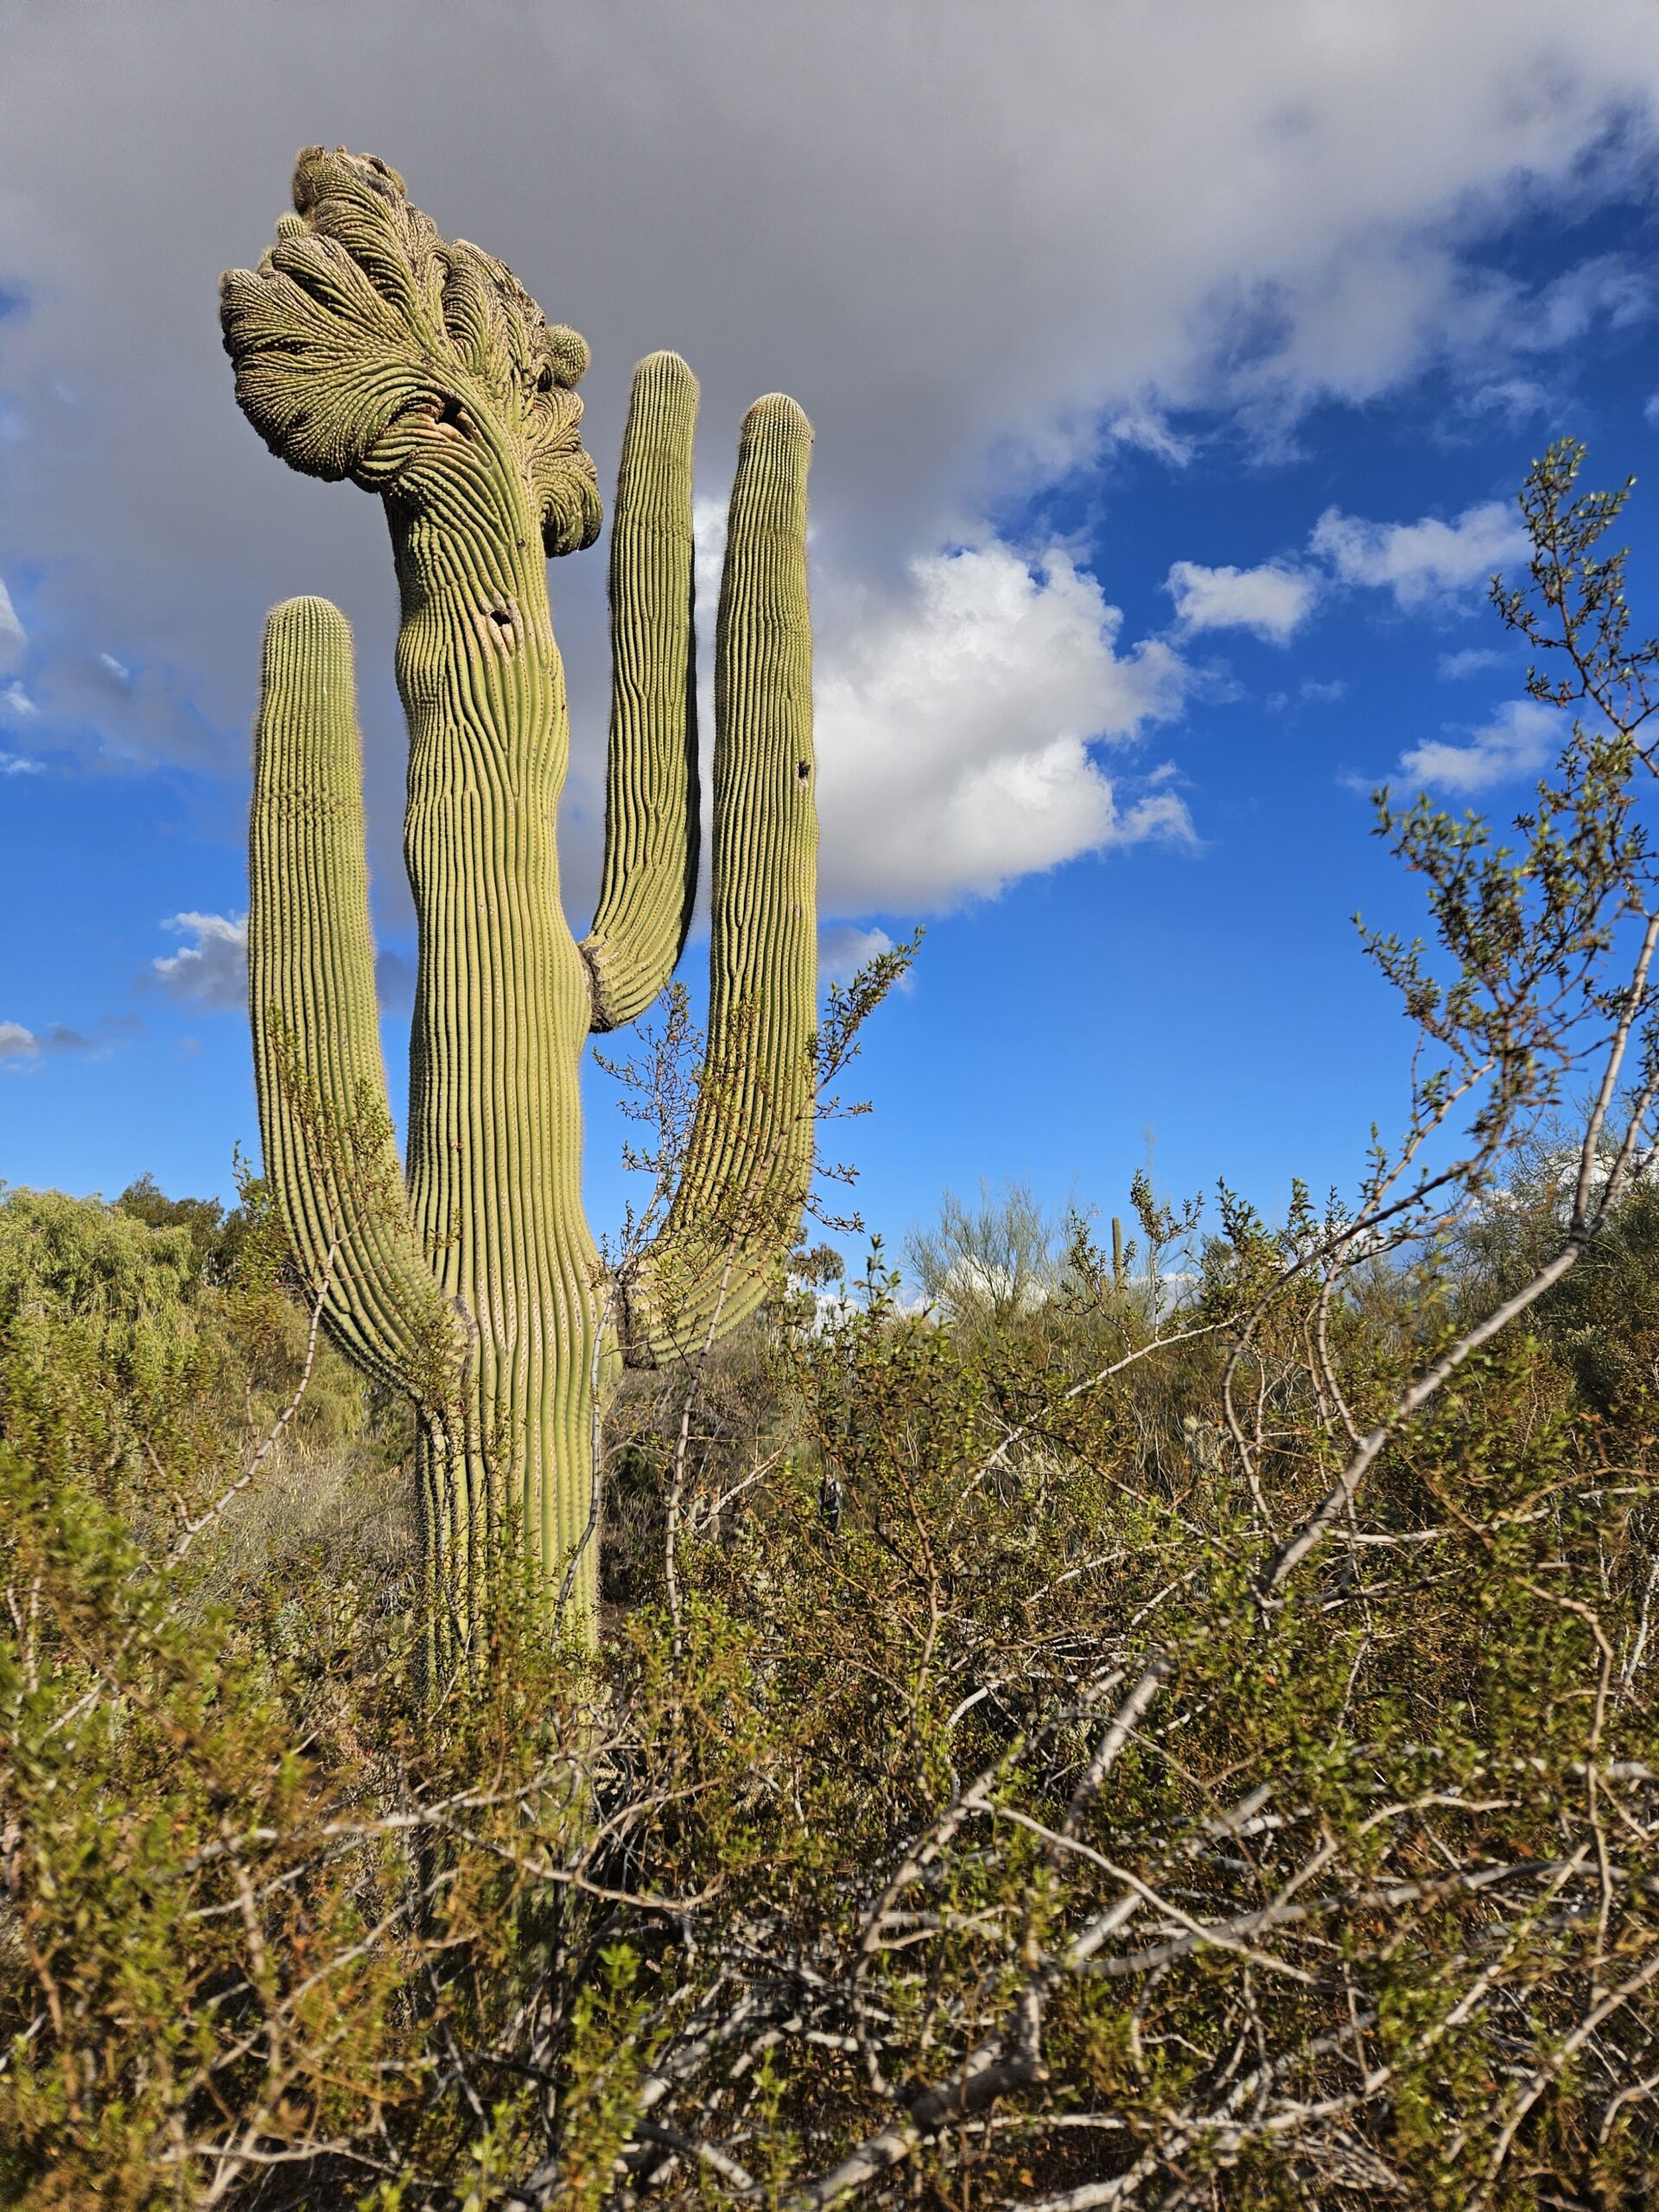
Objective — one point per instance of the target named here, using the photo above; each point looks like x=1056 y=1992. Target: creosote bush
x=1190 y=1743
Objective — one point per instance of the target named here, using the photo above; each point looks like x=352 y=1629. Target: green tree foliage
x=990 y=1263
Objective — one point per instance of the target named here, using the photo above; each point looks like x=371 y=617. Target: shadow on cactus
x=366 y=346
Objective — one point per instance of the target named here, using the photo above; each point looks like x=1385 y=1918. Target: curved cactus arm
x=330 y=1154
x=650 y=790
x=737 y=1206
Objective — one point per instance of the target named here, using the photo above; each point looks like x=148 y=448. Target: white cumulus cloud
x=955 y=732
x=1520 y=739
x=1420 y=562
x=1472 y=661
x=212 y=972
x=17 y=1043
x=1273 y=601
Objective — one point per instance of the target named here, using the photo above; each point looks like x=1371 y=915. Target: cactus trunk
x=501 y=1005
x=365 y=345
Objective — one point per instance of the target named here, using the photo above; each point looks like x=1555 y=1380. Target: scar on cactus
x=365 y=345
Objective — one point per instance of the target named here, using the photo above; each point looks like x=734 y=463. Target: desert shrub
x=1604 y=1318
x=145 y=1345
x=110 y=1361
x=985 y=1266
x=694 y=1454
x=836 y=1811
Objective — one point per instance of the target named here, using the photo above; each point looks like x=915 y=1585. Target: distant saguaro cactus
x=366 y=346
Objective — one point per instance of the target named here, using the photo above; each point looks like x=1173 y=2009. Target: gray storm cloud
x=966 y=236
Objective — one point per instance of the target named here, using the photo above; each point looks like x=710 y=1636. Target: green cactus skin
x=750 y=1153
x=365 y=345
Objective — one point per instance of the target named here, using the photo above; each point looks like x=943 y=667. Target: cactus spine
x=365 y=345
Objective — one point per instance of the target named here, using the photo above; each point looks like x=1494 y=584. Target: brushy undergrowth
x=806 y=1835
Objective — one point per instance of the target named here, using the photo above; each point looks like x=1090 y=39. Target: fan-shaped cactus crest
x=368 y=345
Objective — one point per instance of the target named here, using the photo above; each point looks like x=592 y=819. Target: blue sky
x=1172 y=388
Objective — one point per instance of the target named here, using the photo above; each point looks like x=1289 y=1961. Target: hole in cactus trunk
x=803 y=770
x=450 y=416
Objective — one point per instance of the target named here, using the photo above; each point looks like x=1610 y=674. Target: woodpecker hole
x=803 y=770
x=449 y=414
x=498 y=625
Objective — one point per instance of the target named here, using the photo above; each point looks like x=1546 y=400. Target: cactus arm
x=748 y=1159
x=329 y=1150
x=650 y=793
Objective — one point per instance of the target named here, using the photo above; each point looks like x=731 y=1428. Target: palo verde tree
x=365 y=345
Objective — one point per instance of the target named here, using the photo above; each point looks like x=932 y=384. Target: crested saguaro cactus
x=366 y=346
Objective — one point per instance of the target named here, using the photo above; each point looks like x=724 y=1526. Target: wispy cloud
x=1472 y=661
x=21 y=1048
x=1520 y=739
x=1515 y=398
x=1149 y=428
x=1424 y=564
x=1605 y=289
x=1272 y=602
x=844 y=949
x=394 y=981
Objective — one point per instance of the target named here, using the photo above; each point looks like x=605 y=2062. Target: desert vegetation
x=1164 y=1718
x=1169 y=1725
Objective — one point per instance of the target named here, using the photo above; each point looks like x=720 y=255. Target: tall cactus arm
x=744 y=1180
x=650 y=793
x=329 y=1151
